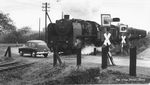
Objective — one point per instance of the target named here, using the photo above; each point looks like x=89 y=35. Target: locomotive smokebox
x=66 y=17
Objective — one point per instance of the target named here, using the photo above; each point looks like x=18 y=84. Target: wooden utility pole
x=62 y=15
x=8 y=51
x=39 y=27
x=46 y=6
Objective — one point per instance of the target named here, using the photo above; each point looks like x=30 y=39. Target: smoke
x=83 y=9
x=90 y=49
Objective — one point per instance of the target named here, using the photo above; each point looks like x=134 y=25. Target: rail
x=13 y=65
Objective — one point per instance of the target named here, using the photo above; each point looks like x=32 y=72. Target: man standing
x=78 y=45
x=107 y=42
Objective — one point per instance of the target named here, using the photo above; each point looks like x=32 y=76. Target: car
x=34 y=47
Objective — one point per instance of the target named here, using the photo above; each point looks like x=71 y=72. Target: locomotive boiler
x=65 y=32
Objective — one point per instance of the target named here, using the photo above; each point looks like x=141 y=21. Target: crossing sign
x=105 y=19
x=107 y=39
x=123 y=39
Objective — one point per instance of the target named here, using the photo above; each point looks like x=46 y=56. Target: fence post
x=104 y=56
x=132 y=70
x=8 y=51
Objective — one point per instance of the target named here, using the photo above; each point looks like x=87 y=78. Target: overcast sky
x=135 y=13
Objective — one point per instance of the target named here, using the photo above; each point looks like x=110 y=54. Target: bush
x=19 y=37
x=82 y=77
x=13 y=37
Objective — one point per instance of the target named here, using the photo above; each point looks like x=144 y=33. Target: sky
x=134 y=13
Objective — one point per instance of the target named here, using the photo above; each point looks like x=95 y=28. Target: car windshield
x=34 y=44
x=31 y=44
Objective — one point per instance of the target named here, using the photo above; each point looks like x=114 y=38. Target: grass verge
x=95 y=76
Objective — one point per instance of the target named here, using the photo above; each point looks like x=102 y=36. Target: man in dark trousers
x=107 y=42
x=56 y=55
x=110 y=57
x=78 y=45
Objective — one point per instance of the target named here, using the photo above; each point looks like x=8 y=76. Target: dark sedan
x=34 y=47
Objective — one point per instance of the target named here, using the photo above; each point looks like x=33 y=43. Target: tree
x=25 y=30
x=6 y=23
x=14 y=37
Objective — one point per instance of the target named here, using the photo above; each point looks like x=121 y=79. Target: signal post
x=106 y=23
x=123 y=36
x=132 y=66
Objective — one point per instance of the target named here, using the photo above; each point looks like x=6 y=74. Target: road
x=145 y=55
x=118 y=61
x=143 y=61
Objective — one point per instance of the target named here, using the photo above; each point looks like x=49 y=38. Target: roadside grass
x=2 y=51
x=3 y=48
x=46 y=74
x=95 y=76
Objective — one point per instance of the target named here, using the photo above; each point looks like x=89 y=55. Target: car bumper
x=39 y=53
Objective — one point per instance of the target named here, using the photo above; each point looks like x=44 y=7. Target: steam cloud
x=90 y=49
x=82 y=9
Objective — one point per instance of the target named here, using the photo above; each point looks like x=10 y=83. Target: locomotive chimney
x=66 y=17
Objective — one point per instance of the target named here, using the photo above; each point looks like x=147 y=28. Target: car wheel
x=21 y=53
x=33 y=54
x=45 y=55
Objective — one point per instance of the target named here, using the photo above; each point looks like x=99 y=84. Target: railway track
x=13 y=65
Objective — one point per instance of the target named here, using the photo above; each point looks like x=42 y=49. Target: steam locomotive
x=65 y=32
